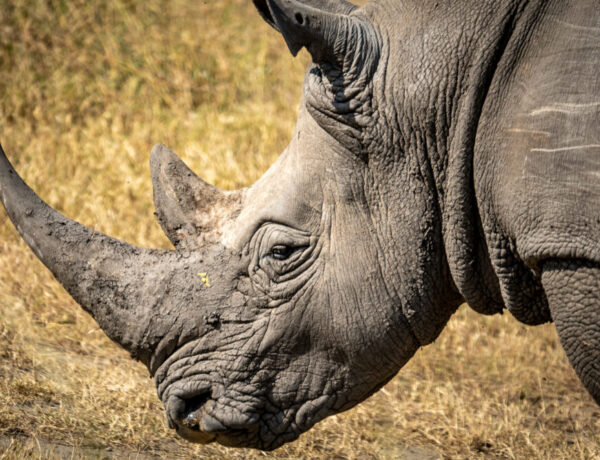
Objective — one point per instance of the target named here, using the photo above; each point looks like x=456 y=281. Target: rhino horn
x=122 y=286
x=320 y=26
x=190 y=211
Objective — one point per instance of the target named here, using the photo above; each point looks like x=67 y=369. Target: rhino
x=445 y=152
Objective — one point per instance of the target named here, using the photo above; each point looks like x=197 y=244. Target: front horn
x=135 y=295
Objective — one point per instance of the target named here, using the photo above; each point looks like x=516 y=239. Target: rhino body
x=445 y=152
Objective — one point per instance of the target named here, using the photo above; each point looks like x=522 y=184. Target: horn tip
x=160 y=157
x=160 y=152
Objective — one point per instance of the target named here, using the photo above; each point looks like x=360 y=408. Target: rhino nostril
x=192 y=411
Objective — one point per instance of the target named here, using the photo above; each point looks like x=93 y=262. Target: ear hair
x=331 y=6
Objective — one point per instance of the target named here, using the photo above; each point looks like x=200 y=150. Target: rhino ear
x=190 y=211
x=318 y=25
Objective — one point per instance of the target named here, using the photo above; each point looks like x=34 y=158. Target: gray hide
x=445 y=151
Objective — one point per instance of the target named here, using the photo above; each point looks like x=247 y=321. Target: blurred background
x=86 y=90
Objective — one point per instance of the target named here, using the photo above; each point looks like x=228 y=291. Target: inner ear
x=263 y=10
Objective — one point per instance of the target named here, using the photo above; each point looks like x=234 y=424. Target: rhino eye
x=282 y=252
x=280 y=249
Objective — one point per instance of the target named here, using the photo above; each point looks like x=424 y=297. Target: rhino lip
x=193 y=418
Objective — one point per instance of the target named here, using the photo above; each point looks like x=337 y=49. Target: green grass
x=86 y=89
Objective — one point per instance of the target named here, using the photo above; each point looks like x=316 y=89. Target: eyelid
x=291 y=240
x=283 y=245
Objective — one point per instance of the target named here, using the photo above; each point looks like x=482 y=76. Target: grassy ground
x=86 y=89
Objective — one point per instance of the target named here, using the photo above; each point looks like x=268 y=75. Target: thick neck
x=485 y=60
x=464 y=240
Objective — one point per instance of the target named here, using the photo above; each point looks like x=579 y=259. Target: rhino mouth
x=201 y=418
x=197 y=417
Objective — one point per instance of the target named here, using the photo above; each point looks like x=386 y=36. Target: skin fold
x=445 y=152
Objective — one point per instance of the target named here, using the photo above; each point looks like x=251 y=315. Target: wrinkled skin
x=442 y=154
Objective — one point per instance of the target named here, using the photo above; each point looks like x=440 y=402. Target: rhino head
x=290 y=300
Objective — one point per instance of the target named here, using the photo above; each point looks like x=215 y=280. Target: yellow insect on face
x=204 y=278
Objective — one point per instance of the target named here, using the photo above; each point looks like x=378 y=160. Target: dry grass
x=86 y=89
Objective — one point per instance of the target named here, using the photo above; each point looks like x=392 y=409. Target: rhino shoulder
x=537 y=154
